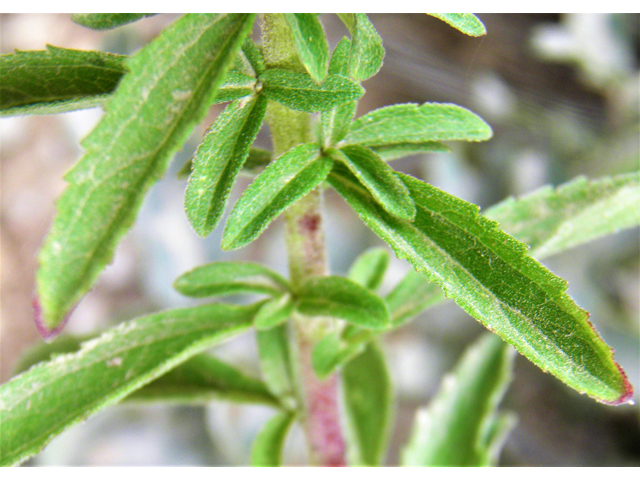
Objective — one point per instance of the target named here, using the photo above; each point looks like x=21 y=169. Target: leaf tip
x=627 y=394
x=47 y=331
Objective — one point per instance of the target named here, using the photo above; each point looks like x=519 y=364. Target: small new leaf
x=367 y=52
x=107 y=21
x=274 y=312
x=467 y=23
x=218 y=161
x=339 y=297
x=410 y=123
x=267 y=446
x=368 y=269
x=35 y=406
x=282 y=183
x=460 y=427
x=168 y=89
x=310 y=42
x=299 y=92
x=57 y=80
x=229 y=278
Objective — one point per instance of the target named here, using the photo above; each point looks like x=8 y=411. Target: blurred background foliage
x=562 y=93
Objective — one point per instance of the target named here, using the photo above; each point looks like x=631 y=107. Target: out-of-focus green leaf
x=286 y=180
x=168 y=89
x=489 y=275
x=339 y=297
x=368 y=400
x=228 y=278
x=299 y=92
x=552 y=220
x=467 y=23
x=332 y=352
x=367 y=52
x=410 y=296
x=335 y=122
x=275 y=362
x=267 y=446
x=274 y=312
x=218 y=161
x=460 y=427
x=107 y=21
x=368 y=269
x=236 y=85
x=410 y=123
x=36 y=405
x=311 y=43
x=380 y=179
x=57 y=80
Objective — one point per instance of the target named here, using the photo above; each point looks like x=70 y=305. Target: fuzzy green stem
x=319 y=406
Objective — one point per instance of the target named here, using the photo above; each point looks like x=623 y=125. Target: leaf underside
x=467 y=23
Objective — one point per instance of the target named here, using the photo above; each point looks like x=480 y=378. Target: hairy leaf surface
x=218 y=161
x=551 y=220
x=282 y=183
x=311 y=43
x=454 y=431
x=368 y=400
x=367 y=51
x=410 y=123
x=267 y=446
x=57 y=80
x=35 y=406
x=236 y=85
x=253 y=56
x=489 y=274
x=299 y=92
x=339 y=297
x=168 y=89
x=228 y=278
x=467 y=23
x=107 y=21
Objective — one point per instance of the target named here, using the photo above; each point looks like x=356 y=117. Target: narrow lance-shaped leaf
x=368 y=400
x=57 y=80
x=467 y=23
x=410 y=123
x=256 y=161
x=551 y=220
x=218 y=161
x=367 y=51
x=380 y=179
x=310 y=42
x=274 y=312
x=339 y=297
x=267 y=446
x=282 y=183
x=236 y=85
x=253 y=55
x=410 y=296
x=333 y=351
x=107 y=21
x=168 y=89
x=35 y=406
x=369 y=268
x=454 y=431
x=299 y=92
x=275 y=362
x=335 y=122
x=401 y=150
x=490 y=276
x=229 y=278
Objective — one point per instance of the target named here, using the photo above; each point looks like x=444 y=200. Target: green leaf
x=256 y=161
x=368 y=400
x=201 y=380
x=400 y=150
x=459 y=427
x=339 y=297
x=57 y=80
x=333 y=351
x=167 y=91
x=107 y=21
x=368 y=269
x=348 y=19
x=282 y=183
x=335 y=122
x=267 y=446
x=467 y=23
x=299 y=92
x=218 y=161
x=228 y=278
x=236 y=85
x=490 y=276
x=410 y=123
x=380 y=179
x=411 y=295
x=274 y=312
x=552 y=220
x=310 y=42
x=37 y=405
x=275 y=362
x=253 y=55
x=367 y=52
